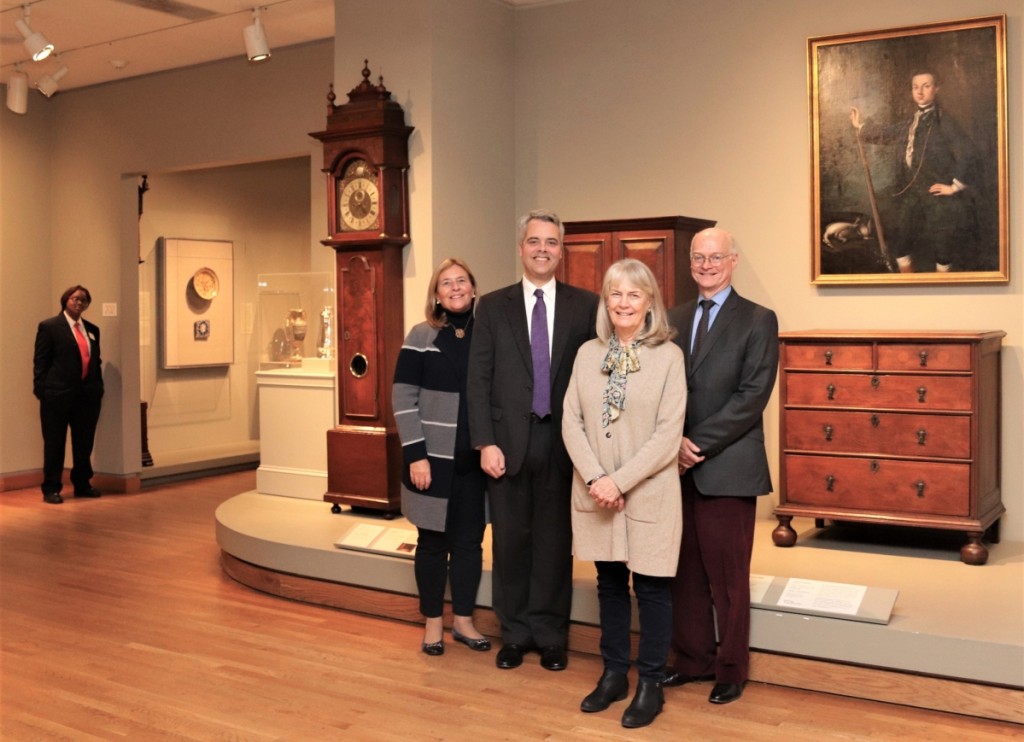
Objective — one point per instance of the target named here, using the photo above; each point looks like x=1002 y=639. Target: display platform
x=955 y=628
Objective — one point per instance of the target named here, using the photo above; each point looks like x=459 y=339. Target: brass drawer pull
x=829 y=482
x=923 y=355
x=875 y=467
x=921 y=391
x=921 y=435
x=828 y=357
x=920 y=487
x=828 y=432
x=831 y=389
x=875 y=382
x=875 y=421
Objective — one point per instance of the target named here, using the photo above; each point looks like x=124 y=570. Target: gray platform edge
x=297 y=537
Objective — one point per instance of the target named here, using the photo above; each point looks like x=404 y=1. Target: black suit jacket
x=499 y=387
x=729 y=384
x=57 y=365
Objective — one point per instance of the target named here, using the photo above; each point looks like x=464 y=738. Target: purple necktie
x=541 y=359
x=702 y=325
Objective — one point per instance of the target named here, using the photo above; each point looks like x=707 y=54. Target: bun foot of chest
x=784 y=535
x=974 y=551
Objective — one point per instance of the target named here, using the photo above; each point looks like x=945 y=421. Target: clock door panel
x=357 y=294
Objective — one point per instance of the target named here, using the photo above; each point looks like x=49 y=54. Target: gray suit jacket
x=729 y=384
x=499 y=387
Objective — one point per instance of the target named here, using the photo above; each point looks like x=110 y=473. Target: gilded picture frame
x=909 y=171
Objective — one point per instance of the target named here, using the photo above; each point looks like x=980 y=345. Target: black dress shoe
x=88 y=492
x=725 y=692
x=53 y=498
x=612 y=687
x=483 y=644
x=510 y=656
x=434 y=649
x=553 y=658
x=646 y=704
x=674 y=679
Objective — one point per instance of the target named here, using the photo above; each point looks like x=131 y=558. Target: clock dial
x=359 y=204
x=359 y=198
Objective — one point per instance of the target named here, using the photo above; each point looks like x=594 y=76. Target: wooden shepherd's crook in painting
x=882 y=247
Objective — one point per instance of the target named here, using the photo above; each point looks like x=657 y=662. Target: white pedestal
x=297 y=408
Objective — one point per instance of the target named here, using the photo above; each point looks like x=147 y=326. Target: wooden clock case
x=364 y=454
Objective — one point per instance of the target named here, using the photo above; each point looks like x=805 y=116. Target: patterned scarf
x=619 y=361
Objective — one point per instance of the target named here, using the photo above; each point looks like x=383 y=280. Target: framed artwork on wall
x=909 y=172
x=197 y=303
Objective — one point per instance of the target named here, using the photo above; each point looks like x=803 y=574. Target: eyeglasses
x=716 y=259
x=78 y=300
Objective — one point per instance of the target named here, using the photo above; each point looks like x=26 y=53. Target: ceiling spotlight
x=256 y=46
x=17 y=91
x=48 y=85
x=35 y=43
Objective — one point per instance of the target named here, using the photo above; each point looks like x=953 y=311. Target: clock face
x=359 y=198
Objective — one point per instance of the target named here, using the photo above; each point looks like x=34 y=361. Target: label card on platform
x=379 y=540
x=819 y=598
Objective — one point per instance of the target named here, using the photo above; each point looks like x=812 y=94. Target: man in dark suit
x=732 y=354
x=524 y=332
x=68 y=383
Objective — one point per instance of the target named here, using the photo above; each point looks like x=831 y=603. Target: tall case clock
x=366 y=161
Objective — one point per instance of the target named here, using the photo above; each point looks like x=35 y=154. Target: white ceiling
x=150 y=35
x=104 y=40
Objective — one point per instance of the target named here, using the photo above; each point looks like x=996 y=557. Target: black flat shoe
x=88 y=492
x=510 y=656
x=434 y=649
x=53 y=498
x=725 y=692
x=483 y=644
x=612 y=687
x=646 y=704
x=554 y=658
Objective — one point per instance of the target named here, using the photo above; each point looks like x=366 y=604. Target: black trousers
x=531 y=535
x=654 y=601
x=456 y=553
x=79 y=411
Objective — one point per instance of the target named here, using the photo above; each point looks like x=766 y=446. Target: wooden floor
x=118 y=623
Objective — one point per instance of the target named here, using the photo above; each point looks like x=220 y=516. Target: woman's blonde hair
x=436 y=316
x=656 y=329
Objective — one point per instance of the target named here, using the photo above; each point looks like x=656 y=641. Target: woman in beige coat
x=622 y=425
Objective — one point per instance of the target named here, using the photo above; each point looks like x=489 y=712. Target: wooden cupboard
x=661 y=243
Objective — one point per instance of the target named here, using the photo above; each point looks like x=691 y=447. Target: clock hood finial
x=366 y=89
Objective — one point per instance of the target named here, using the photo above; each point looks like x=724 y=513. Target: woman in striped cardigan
x=442 y=483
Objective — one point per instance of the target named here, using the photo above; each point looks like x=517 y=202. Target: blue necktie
x=541 y=358
x=702 y=326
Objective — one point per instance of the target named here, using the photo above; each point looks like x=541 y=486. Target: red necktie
x=83 y=348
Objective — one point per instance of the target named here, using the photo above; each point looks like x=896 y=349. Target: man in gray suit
x=524 y=333
x=732 y=356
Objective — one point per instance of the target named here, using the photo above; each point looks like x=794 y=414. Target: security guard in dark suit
x=68 y=383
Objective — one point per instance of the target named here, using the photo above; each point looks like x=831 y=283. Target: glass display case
x=296 y=318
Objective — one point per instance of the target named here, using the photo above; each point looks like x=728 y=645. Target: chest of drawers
x=891 y=428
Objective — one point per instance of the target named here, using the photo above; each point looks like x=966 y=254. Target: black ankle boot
x=613 y=686
x=646 y=704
